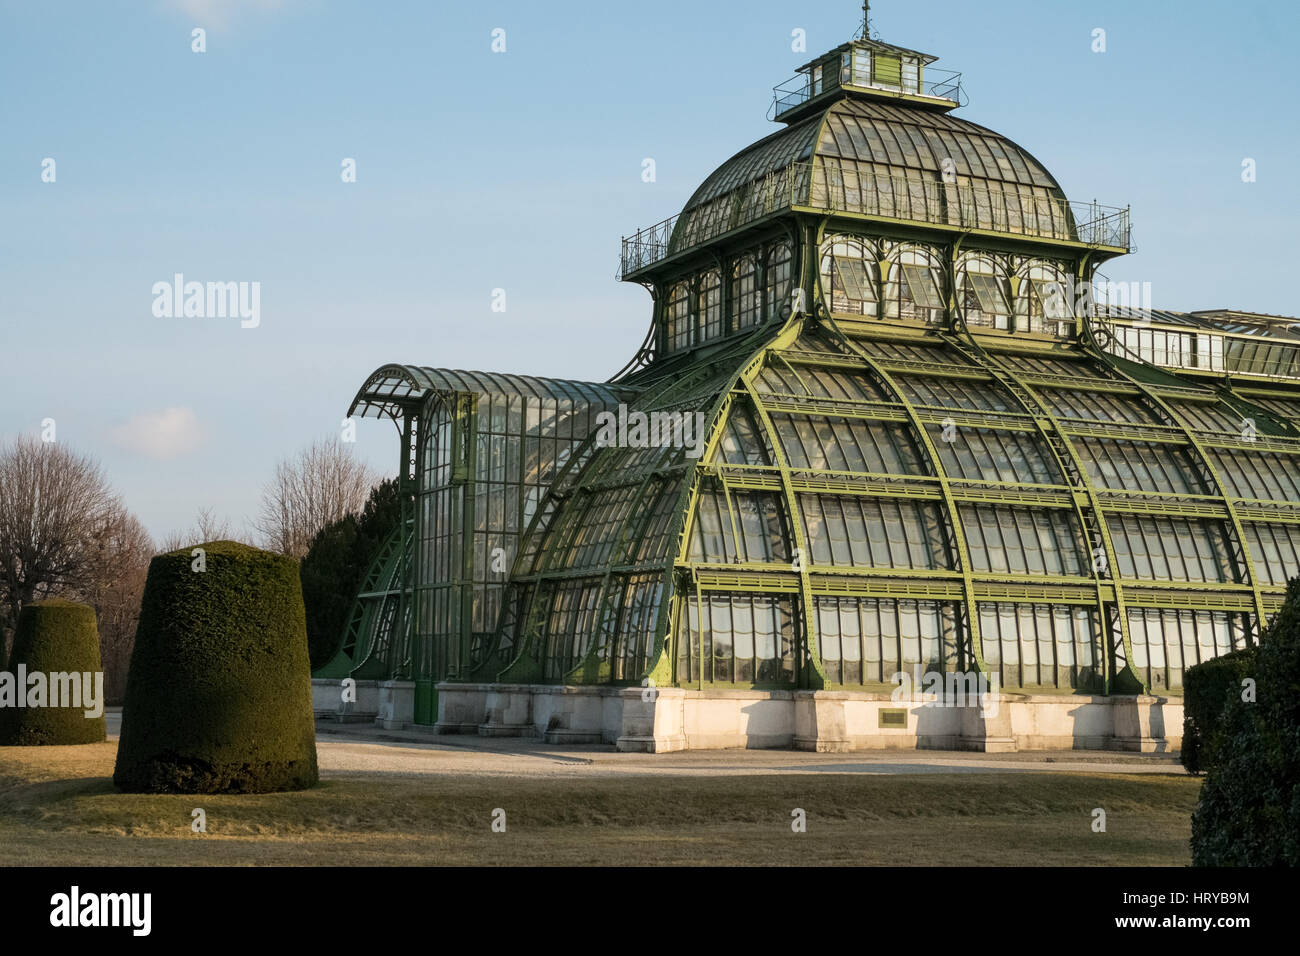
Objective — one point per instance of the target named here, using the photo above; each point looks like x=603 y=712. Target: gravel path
x=352 y=749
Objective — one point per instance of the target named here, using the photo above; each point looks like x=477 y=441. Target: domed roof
x=897 y=141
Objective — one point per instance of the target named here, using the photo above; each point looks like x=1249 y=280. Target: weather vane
x=866 y=19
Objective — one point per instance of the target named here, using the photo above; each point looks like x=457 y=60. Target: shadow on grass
x=64 y=808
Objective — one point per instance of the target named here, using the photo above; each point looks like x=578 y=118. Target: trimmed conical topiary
x=55 y=673
x=218 y=698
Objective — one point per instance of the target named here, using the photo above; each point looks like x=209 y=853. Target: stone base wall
x=390 y=703
x=656 y=720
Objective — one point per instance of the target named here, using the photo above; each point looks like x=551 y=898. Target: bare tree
x=207 y=527
x=114 y=588
x=55 y=510
x=320 y=485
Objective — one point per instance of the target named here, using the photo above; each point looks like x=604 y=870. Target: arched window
x=849 y=275
x=1044 y=303
x=677 y=317
x=776 y=282
x=914 y=290
x=708 y=307
x=984 y=292
x=744 y=293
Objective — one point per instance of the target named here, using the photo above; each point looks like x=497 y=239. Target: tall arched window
x=985 y=293
x=709 y=306
x=1045 y=303
x=849 y=274
x=914 y=289
x=776 y=282
x=677 y=317
x=744 y=293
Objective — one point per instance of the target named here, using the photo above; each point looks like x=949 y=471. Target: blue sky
x=518 y=170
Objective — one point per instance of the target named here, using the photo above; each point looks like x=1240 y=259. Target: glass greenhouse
x=924 y=447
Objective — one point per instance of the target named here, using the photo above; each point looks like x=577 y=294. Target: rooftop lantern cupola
x=869 y=148
x=871 y=69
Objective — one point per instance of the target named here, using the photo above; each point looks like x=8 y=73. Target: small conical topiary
x=218 y=698
x=55 y=661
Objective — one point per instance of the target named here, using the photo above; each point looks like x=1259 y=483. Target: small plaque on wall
x=894 y=719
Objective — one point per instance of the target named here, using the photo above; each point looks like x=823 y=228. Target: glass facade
x=843 y=509
x=893 y=439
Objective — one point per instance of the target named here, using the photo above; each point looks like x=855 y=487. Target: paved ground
x=346 y=749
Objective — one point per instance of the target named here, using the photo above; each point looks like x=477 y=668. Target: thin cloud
x=220 y=13
x=161 y=435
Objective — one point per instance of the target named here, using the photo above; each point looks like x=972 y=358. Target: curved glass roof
x=605 y=540
x=926 y=502
x=775 y=152
x=914 y=142
x=392 y=388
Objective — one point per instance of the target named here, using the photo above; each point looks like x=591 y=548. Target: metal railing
x=799 y=89
x=647 y=246
x=830 y=187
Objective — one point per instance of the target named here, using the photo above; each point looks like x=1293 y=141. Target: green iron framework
x=897 y=435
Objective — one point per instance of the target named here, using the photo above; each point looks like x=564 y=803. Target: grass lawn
x=58 y=806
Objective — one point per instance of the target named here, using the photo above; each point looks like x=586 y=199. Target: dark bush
x=335 y=568
x=1249 y=811
x=218 y=698
x=329 y=586
x=1207 y=690
x=55 y=637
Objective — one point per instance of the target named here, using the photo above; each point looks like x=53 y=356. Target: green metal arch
x=1202 y=457
x=367 y=635
x=1087 y=505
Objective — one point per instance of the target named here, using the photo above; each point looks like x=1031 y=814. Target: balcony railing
x=798 y=90
x=648 y=246
x=830 y=187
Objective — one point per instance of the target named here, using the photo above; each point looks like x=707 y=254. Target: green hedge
x=1207 y=690
x=1249 y=811
x=218 y=698
x=54 y=637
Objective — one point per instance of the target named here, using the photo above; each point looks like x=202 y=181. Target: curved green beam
x=359 y=654
x=526 y=665
x=817 y=678
x=887 y=384
x=1076 y=473
x=962 y=548
x=661 y=670
x=1221 y=490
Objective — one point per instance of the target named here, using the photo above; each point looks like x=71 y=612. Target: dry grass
x=58 y=806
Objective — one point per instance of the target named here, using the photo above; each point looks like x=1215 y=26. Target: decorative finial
x=866 y=19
